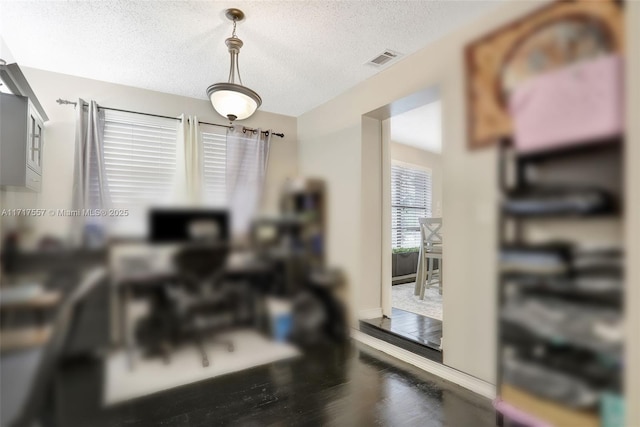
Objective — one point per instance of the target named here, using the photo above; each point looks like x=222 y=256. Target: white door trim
x=385 y=262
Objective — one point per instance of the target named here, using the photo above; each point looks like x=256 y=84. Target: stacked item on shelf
x=578 y=201
x=541 y=260
x=584 y=275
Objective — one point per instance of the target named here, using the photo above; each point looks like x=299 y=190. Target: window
x=214 y=146
x=410 y=200
x=140 y=158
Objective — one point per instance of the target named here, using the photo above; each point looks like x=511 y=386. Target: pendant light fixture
x=231 y=99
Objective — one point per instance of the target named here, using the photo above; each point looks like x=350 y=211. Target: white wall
x=371 y=220
x=59 y=139
x=331 y=156
x=426 y=159
x=331 y=146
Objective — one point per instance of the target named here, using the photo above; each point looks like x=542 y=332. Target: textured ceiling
x=420 y=127
x=297 y=54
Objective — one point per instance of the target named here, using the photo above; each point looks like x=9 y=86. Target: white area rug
x=402 y=297
x=153 y=375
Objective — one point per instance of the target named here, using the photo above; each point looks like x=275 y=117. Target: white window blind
x=410 y=200
x=140 y=158
x=214 y=187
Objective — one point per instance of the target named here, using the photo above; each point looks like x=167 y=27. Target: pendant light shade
x=233 y=101
x=230 y=99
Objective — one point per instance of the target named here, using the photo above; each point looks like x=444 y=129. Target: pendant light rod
x=232 y=99
x=234 y=44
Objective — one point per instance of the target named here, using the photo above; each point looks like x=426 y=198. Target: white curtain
x=247 y=160
x=194 y=160
x=90 y=189
x=189 y=163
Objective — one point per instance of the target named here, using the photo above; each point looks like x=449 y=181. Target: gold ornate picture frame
x=498 y=59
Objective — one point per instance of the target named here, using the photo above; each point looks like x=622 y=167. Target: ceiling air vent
x=384 y=58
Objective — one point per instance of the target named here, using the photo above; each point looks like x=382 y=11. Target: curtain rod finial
x=65 y=102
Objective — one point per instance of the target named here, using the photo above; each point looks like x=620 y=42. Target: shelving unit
x=596 y=164
x=304 y=200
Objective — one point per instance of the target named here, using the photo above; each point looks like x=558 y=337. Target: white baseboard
x=370 y=313
x=467 y=381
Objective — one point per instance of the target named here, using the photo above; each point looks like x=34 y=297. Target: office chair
x=192 y=306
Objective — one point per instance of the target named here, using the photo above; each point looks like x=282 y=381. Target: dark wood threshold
x=403 y=341
x=400 y=280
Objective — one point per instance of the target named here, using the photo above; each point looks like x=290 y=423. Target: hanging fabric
x=189 y=162
x=246 y=170
x=90 y=188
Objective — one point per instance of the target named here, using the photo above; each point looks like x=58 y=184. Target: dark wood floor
x=346 y=386
x=421 y=329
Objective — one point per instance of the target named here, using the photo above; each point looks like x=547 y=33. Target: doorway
x=412 y=147
x=408 y=133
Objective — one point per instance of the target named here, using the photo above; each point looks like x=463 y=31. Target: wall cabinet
x=21 y=143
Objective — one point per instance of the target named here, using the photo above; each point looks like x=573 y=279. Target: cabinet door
x=34 y=141
x=38 y=144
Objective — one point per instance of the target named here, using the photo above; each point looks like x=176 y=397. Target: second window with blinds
x=410 y=200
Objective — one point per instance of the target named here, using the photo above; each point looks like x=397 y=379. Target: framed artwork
x=554 y=36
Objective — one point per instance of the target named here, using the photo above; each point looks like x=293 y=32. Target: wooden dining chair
x=430 y=250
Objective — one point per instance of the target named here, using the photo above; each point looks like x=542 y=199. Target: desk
x=25 y=337
x=38 y=302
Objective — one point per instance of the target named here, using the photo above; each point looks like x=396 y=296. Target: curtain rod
x=244 y=129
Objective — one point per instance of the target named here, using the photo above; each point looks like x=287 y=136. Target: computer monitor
x=188 y=225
